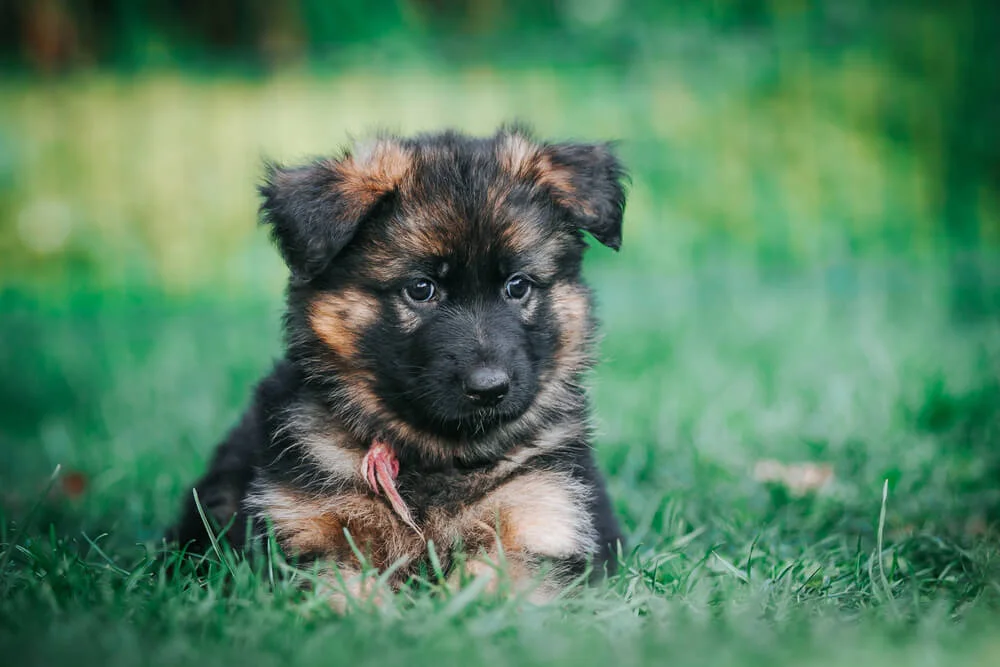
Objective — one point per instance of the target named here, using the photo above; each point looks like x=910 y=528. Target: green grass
x=704 y=374
x=782 y=295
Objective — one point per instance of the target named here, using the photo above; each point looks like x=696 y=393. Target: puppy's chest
x=544 y=512
x=448 y=493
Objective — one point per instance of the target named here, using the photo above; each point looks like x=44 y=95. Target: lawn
x=703 y=376
x=806 y=317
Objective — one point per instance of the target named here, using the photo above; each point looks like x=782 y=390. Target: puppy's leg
x=334 y=530
x=343 y=587
x=545 y=529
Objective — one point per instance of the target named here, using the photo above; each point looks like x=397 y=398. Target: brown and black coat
x=366 y=361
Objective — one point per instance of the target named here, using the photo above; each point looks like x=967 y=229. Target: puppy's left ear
x=588 y=182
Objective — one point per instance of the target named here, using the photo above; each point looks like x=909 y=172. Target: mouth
x=471 y=422
x=484 y=418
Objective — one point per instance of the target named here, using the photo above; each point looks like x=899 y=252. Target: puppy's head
x=435 y=286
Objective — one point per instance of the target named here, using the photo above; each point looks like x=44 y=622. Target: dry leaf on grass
x=799 y=478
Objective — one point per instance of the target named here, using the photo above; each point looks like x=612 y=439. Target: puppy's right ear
x=314 y=210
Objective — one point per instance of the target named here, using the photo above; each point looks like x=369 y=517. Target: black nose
x=486 y=385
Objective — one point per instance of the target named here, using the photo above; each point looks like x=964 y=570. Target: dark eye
x=420 y=290
x=517 y=287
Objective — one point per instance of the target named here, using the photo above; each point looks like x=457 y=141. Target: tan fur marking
x=571 y=308
x=524 y=159
x=543 y=513
x=328 y=443
x=517 y=154
x=521 y=235
x=548 y=440
x=560 y=180
x=427 y=231
x=433 y=227
x=373 y=170
x=387 y=266
x=496 y=198
x=313 y=534
x=307 y=524
x=297 y=523
x=340 y=318
x=536 y=514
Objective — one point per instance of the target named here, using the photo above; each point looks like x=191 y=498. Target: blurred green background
x=782 y=133
x=810 y=272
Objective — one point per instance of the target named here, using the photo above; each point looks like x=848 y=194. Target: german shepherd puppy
x=437 y=332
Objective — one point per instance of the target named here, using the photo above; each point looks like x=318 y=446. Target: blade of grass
x=731 y=569
x=436 y=563
x=107 y=559
x=467 y=595
x=880 y=546
x=211 y=534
